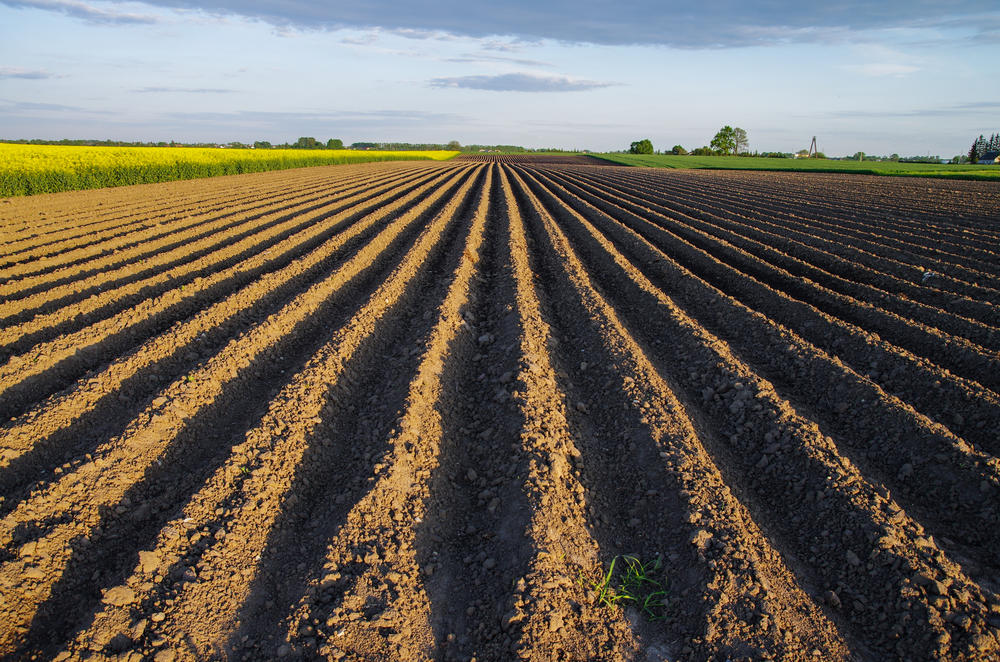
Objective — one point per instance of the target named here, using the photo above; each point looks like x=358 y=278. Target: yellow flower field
x=30 y=169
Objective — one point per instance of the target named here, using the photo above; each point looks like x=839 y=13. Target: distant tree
x=335 y=143
x=703 y=151
x=820 y=155
x=894 y=157
x=994 y=143
x=643 y=146
x=858 y=156
x=725 y=140
x=741 y=140
x=454 y=146
x=305 y=143
x=677 y=149
x=979 y=147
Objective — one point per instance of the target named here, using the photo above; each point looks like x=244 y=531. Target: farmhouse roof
x=990 y=157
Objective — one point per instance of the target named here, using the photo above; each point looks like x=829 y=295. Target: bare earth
x=413 y=411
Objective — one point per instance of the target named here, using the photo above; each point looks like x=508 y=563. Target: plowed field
x=417 y=410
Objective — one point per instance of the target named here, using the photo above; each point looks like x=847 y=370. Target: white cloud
x=29 y=74
x=519 y=82
x=92 y=12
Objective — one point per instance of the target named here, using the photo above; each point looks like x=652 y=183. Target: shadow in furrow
x=111 y=413
x=333 y=206
x=193 y=456
x=18 y=398
x=476 y=509
x=630 y=496
x=234 y=212
x=343 y=458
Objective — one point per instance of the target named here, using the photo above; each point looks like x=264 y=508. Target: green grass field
x=978 y=172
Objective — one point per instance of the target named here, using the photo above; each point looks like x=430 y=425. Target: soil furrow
x=163 y=457
x=54 y=313
x=136 y=249
x=563 y=545
x=86 y=280
x=825 y=386
x=523 y=407
x=54 y=432
x=885 y=255
x=843 y=218
x=920 y=382
x=47 y=367
x=848 y=529
x=471 y=544
x=654 y=493
x=850 y=279
x=161 y=212
x=285 y=458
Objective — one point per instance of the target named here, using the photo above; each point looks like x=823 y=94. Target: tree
x=858 y=156
x=978 y=148
x=305 y=143
x=677 y=149
x=335 y=143
x=741 y=140
x=725 y=140
x=644 y=146
x=262 y=144
x=454 y=146
x=703 y=151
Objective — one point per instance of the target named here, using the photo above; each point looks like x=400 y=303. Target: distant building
x=989 y=158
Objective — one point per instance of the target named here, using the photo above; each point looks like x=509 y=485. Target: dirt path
x=420 y=411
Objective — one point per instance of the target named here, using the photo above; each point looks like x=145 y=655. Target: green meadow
x=893 y=168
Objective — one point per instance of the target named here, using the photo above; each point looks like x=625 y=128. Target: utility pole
x=812 y=149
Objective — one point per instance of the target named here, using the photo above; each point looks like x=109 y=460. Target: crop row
x=414 y=411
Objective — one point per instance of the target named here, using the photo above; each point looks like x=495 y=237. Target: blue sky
x=912 y=77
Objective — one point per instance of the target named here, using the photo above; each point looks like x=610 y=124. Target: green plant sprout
x=636 y=586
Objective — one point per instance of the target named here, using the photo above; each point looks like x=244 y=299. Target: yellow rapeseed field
x=30 y=169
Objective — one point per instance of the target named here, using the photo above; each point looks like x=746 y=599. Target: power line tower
x=812 y=149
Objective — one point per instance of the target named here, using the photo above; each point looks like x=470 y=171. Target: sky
x=912 y=77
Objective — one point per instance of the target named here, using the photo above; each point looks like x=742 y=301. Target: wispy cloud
x=183 y=90
x=82 y=10
x=970 y=108
x=519 y=82
x=33 y=107
x=319 y=118
x=880 y=69
x=29 y=74
x=361 y=40
x=486 y=57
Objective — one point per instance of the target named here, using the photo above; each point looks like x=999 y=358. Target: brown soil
x=415 y=411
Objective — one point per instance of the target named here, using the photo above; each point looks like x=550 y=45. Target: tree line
x=734 y=141
x=728 y=140
x=981 y=145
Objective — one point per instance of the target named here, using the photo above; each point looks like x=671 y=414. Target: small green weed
x=635 y=586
